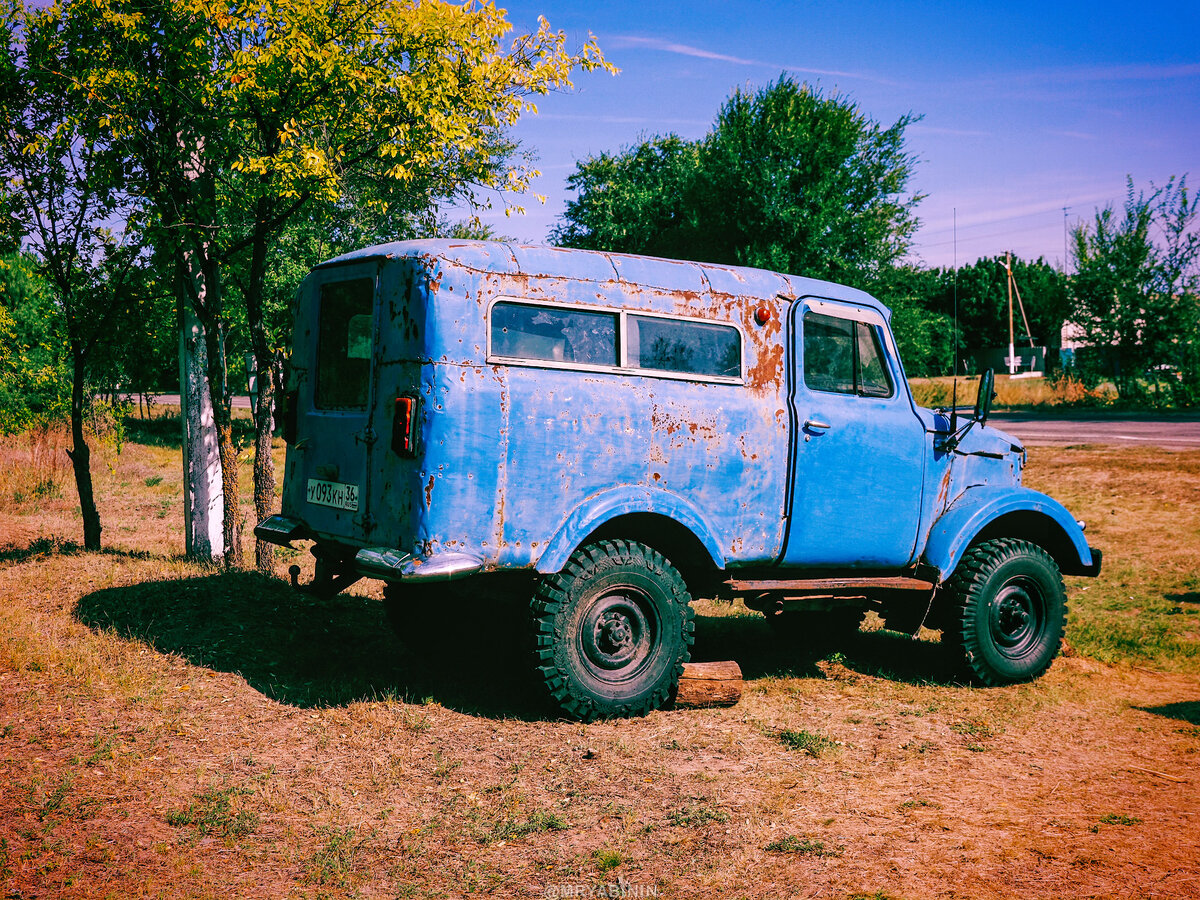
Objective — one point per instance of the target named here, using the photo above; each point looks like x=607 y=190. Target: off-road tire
x=611 y=631
x=1007 y=611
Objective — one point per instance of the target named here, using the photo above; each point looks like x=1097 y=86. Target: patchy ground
x=167 y=730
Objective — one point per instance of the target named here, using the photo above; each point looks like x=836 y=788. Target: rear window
x=344 y=344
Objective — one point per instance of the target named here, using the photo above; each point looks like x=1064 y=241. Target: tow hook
x=331 y=576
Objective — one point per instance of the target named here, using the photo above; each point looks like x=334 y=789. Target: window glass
x=844 y=356
x=560 y=335
x=344 y=344
x=873 y=377
x=671 y=345
x=828 y=353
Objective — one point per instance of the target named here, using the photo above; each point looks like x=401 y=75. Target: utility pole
x=1012 y=350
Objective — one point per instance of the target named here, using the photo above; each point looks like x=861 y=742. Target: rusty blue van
x=628 y=433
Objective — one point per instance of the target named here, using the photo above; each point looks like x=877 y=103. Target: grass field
x=1014 y=393
x=168 y=730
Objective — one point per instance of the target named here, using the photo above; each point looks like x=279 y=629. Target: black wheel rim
x=618 y=634
x=1018 y=617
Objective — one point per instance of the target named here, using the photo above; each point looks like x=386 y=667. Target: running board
x=819 y=585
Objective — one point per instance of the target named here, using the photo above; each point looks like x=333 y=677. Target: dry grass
x=167 y=730
x=1014 y=393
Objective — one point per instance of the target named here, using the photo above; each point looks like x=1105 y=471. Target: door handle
x=817 y=425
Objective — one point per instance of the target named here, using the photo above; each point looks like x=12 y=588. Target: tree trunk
x=210 y=315
x=81 y=457
x=203 y=497
x=264 y=463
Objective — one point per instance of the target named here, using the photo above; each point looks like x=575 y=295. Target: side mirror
x=983 y=403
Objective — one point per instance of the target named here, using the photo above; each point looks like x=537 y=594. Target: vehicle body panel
x=517 y=460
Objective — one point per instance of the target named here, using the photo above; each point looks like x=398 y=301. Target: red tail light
x=291 y=402
x=404 y=426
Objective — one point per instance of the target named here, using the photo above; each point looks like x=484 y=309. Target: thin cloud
x=987 y=214
x=953 y=132
x=1130 y=73
x=664 y=46
x=624 y=120
x=1079 y=135
x=1092 y=74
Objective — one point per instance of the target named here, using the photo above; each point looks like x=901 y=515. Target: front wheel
x=612 y=631
x=1008 y=611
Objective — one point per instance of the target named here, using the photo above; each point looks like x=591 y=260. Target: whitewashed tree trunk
x=203 y=502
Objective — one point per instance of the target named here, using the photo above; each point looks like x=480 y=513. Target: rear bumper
x=391 y=565
x=282 y=530
x=377 y=562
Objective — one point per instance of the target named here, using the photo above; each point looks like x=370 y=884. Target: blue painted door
x=858 y=448
x=327 y=473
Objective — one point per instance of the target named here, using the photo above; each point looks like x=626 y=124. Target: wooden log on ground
x=709 y=684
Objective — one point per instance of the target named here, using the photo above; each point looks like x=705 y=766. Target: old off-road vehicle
x=631 y=433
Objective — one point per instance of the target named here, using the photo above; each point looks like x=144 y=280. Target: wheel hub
x=1016 y=617
x=616 y=634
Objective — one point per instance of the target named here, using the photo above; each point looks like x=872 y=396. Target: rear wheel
x=612 y=631
x=1008 y=611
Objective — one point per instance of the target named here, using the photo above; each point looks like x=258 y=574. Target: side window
x=844 y=356
x=873 y=377
x=559 y=335
x=671 y=345
x=621 y=340
x=828 y=353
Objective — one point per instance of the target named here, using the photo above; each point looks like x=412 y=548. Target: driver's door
x=858 y=446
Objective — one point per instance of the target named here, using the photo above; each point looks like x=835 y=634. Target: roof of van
x=592 y=265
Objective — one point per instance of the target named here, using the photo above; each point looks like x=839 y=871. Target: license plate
x=333 y=493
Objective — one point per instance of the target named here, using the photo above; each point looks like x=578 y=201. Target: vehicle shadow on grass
x=306 y=651
x=750 y=641
x=312 y=652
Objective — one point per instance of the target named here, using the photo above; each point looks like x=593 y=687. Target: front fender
x=600 y=508
x=1008 y=512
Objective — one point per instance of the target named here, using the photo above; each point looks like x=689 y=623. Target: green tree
x=634 y=201
x=1137 y=277
x=789 y=178
x=35 y=381
x=57 y=187
x=236 y=120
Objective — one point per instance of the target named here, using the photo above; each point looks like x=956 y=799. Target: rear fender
x=601 y=508
x=986 y=512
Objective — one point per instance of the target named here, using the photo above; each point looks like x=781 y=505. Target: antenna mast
x=954 y=395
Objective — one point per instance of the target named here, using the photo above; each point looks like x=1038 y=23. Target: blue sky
x=1028 y=107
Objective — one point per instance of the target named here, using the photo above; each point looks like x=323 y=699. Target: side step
x=824 y=585
x=779 y=595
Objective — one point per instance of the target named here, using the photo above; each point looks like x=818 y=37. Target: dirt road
x=1125 y=429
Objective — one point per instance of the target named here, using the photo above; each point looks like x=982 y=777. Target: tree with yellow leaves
x=234 y=119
